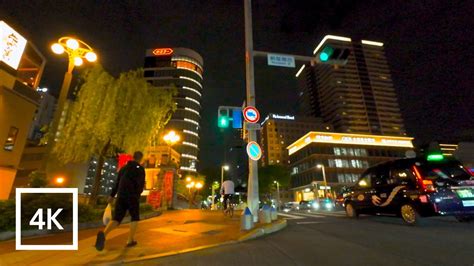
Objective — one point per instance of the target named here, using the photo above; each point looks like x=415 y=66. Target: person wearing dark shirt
x=128 y=188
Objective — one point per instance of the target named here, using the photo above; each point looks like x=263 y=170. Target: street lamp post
x=324 y=178
x=278 y=194
x=215 y=185
x=76 y=50
x=223 y=168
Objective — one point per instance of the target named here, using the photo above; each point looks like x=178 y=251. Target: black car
x=414 y=188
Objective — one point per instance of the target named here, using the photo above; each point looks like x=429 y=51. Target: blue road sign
x=280 y=60
x=254 y=151
x=236 y=118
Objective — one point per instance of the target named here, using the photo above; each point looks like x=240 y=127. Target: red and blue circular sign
x=251 y=114
x=254 y=151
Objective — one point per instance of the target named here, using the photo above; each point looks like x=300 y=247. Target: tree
x=111 y=114
x=270 y=173
x=38 y=179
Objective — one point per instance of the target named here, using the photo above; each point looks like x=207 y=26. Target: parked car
x=414 y=188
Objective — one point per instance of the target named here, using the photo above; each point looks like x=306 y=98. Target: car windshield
x=445 y=171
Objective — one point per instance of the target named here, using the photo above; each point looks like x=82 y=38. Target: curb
x=253 y=234
x=68 y=228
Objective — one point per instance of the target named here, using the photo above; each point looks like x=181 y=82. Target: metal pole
x=325 y=182
x=252 y=189
x=213 y=196
x=222 y=176
x=278 y=196
x=59 y=110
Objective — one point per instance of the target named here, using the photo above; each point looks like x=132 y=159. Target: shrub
x=7 y=215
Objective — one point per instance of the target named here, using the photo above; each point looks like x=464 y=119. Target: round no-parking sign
x=254 y=151
x=251 y=114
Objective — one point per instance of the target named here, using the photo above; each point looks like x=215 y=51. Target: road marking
x=309 y=222
x=290 y=216
x=312 y=215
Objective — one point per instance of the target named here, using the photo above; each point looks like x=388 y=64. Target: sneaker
x=131 y=244
x=100 y=241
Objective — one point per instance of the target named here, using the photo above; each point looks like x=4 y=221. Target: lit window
x=11 y=139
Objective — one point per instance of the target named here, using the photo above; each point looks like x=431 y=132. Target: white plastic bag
x=107 y=214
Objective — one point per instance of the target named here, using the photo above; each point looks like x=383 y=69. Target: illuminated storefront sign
x=162 y=51
x=12 y=45
x=354 y=139
x=285 y=117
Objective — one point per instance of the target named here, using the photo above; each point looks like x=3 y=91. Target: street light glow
x=320 y=166
x=72 y=44
x=59 y=180
x=198 y=185
x=188 y=179
x=226 y=167
x=78 y=61
x=171 y=138
x=57 y=48
x=91 y=56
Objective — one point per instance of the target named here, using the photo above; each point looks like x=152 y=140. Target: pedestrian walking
x=128 y=188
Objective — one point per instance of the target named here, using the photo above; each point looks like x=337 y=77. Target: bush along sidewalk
x=89 y=217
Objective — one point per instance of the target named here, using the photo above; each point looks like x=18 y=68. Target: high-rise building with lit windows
x=183 y=68
x=355 y=97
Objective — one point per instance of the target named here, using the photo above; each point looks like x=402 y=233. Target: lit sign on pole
x=162 y=51
x=280 y=60
x=354 y=139
x=12 y=45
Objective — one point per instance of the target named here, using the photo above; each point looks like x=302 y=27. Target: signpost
x=252 y=126
x=251 y=114
x=281 y=60
x=254 y=151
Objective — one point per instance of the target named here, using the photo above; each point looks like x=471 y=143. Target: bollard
x=274 y=214
x=265 y=215
x=246 y=220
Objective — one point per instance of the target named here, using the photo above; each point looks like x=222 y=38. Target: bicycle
x=229 y=210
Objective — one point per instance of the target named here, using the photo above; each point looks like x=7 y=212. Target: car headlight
x=328 y=205
x=316 y=205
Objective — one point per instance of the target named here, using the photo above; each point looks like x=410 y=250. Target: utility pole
x=252 y=186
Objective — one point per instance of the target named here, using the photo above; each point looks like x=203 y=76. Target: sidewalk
x=173 y=232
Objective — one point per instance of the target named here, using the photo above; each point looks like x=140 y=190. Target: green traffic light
x=323 y=57
x=434 y=157
x=326 y=53
x=223 y=122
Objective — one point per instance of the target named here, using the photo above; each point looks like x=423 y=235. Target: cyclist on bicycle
x=227 y=190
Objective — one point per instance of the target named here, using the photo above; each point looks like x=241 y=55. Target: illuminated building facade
x=355 y=97
x=109 y=176
x=278 y=131
x=344 y=156
x=21 y=67
x=44 y=114
x=183 y=68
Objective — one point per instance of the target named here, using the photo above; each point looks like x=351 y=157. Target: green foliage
x=7 y=215
x=38 y=179
x=270 y=173
x=127 y=111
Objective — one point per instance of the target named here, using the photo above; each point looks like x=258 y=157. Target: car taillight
x=426 y=185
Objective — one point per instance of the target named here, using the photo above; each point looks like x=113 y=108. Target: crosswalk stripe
x=312 y=215
x=290 y=216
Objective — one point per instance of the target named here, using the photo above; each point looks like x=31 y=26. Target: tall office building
x=355 y=97
x=183 y=68
x=44 y=114
x=278 y=131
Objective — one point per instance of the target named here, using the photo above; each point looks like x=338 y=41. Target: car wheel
x=409 y=214
x=351 y=211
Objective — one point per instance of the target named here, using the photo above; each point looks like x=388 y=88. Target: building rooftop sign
x=162 y=51
x=353 y=139
x=284 y=117
x=12 y=45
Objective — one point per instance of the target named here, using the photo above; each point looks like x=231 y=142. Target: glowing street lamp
x=223 y=168
x=59 y=180
x=76 y=51
x=171 y=138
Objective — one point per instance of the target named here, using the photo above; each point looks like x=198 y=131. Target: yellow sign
x=353 y=139
x=12 y=45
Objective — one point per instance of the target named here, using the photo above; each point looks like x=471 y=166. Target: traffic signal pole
x=252 y=184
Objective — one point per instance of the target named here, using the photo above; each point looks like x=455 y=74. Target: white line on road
x=290 y=216
x=309 y=222
x=312 y=215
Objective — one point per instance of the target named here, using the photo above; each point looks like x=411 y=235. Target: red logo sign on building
x=162 y=51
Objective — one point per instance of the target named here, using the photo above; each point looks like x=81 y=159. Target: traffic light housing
x=331 y=55
x=226 y=114
x=223 y=117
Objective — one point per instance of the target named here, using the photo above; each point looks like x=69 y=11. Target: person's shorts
x=124 y=204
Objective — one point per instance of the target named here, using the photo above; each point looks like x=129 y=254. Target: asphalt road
x=332 y=239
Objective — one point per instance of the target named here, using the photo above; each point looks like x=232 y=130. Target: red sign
x=251 y=114
x=123 y=159
x=162 y=51
x=154 y=199
x=168 y=186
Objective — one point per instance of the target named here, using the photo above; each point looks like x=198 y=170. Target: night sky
x=428 y=46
